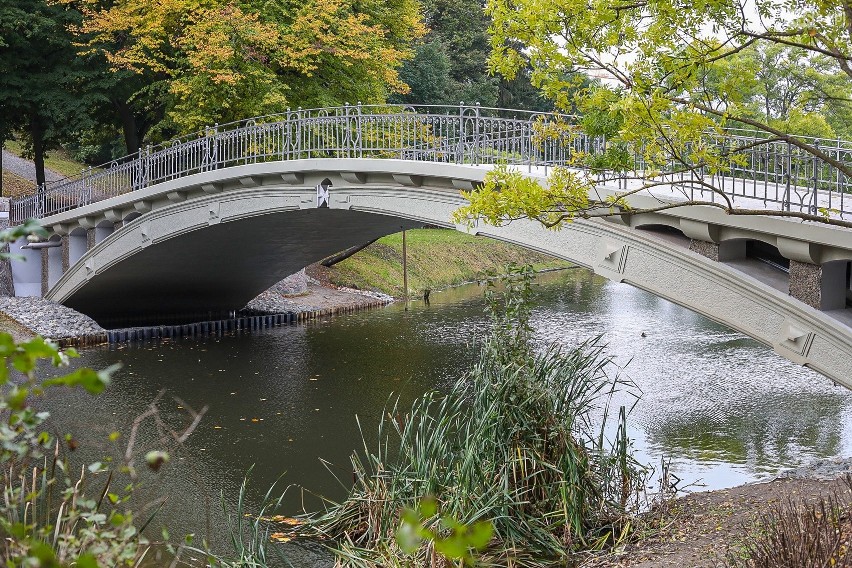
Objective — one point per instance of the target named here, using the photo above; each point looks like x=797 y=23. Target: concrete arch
x=212 y=241
x=206 y=243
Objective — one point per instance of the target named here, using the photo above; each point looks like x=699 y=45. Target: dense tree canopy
x=40 y=93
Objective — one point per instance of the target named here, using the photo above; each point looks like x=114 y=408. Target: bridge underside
x=204 y=245
x=211 y=271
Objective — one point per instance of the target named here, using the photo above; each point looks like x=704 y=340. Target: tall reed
x=520 y=441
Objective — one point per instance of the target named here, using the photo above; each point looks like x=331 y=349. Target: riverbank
x=700 y=530
x=437 y=259
x=25 y=317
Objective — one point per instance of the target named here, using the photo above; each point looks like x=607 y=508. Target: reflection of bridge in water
x=200 y=226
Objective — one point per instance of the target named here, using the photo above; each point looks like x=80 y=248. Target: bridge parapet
x=774 y=173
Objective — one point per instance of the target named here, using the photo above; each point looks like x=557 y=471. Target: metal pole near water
x=404 y=270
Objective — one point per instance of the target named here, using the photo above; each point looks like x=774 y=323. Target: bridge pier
x=66 y=252
x=720 y=252
x=821 y=286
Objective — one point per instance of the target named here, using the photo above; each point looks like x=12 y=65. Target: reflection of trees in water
x=571 y=289
x=771 y=430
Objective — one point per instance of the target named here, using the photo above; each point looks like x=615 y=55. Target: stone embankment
x=295 y=299
x=55 y=321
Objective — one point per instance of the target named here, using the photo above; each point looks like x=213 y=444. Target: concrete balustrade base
x=820 y=286
x=705 y=249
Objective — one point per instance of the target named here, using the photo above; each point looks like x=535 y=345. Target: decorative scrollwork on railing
x=773 y=172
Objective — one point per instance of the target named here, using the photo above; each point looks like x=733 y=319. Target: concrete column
x=820 y=286
x=66 y=253
x=90 y=238
x=45 y=270
x=721 y=252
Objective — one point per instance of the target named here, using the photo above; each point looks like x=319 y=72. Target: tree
x=41 y=93
x=451 y=63
x=221 y=60
x=670 y=83
x=427 y=75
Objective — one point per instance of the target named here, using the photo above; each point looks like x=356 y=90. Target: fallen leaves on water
x=280 y=537
x=282 y=520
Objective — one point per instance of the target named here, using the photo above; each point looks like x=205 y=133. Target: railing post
x=788 y=174
x=146 y=177
x=214 y=156
x=460 y=145
x=41 y=202
x=814 y=205
x=477 y=143
x=359 y=131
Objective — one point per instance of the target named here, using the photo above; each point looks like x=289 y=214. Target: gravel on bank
x=316 y=297
x=52 y=320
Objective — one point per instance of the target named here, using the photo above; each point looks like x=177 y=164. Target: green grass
x=56 y=160
x=437 y=259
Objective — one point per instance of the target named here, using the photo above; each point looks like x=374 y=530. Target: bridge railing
x=774 y=172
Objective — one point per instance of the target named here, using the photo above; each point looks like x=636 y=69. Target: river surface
x=720 y=407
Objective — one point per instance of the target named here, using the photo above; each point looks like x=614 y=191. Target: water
x=721 y=407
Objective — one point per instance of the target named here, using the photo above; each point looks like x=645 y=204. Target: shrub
x=796 y=535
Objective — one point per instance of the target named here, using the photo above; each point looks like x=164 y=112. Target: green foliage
x=46 y=516
x=427 y=75
x=462 y=542
x=677 y=75
x=50 y=516
x=222 y=61
x=42 y=95
x=516 y=443
x=508 y=194
x=450 y=65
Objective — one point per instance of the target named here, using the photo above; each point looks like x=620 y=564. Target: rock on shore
x=825 y=469
x=52 y=320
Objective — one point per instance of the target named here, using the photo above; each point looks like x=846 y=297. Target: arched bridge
x=199 y=227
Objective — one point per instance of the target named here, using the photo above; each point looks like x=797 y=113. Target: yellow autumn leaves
x=221 y=60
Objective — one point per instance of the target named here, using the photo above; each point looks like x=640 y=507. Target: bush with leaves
x=51 y=516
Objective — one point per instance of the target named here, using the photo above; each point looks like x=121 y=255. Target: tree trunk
x=37 y=134
x=341 y=256
x=128 y=126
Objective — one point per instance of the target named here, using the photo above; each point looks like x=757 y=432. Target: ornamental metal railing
x=774 y=173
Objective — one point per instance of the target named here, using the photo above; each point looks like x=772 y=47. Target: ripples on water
x=723 y=408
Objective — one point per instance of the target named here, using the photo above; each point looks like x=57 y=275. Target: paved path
x=25 y=168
